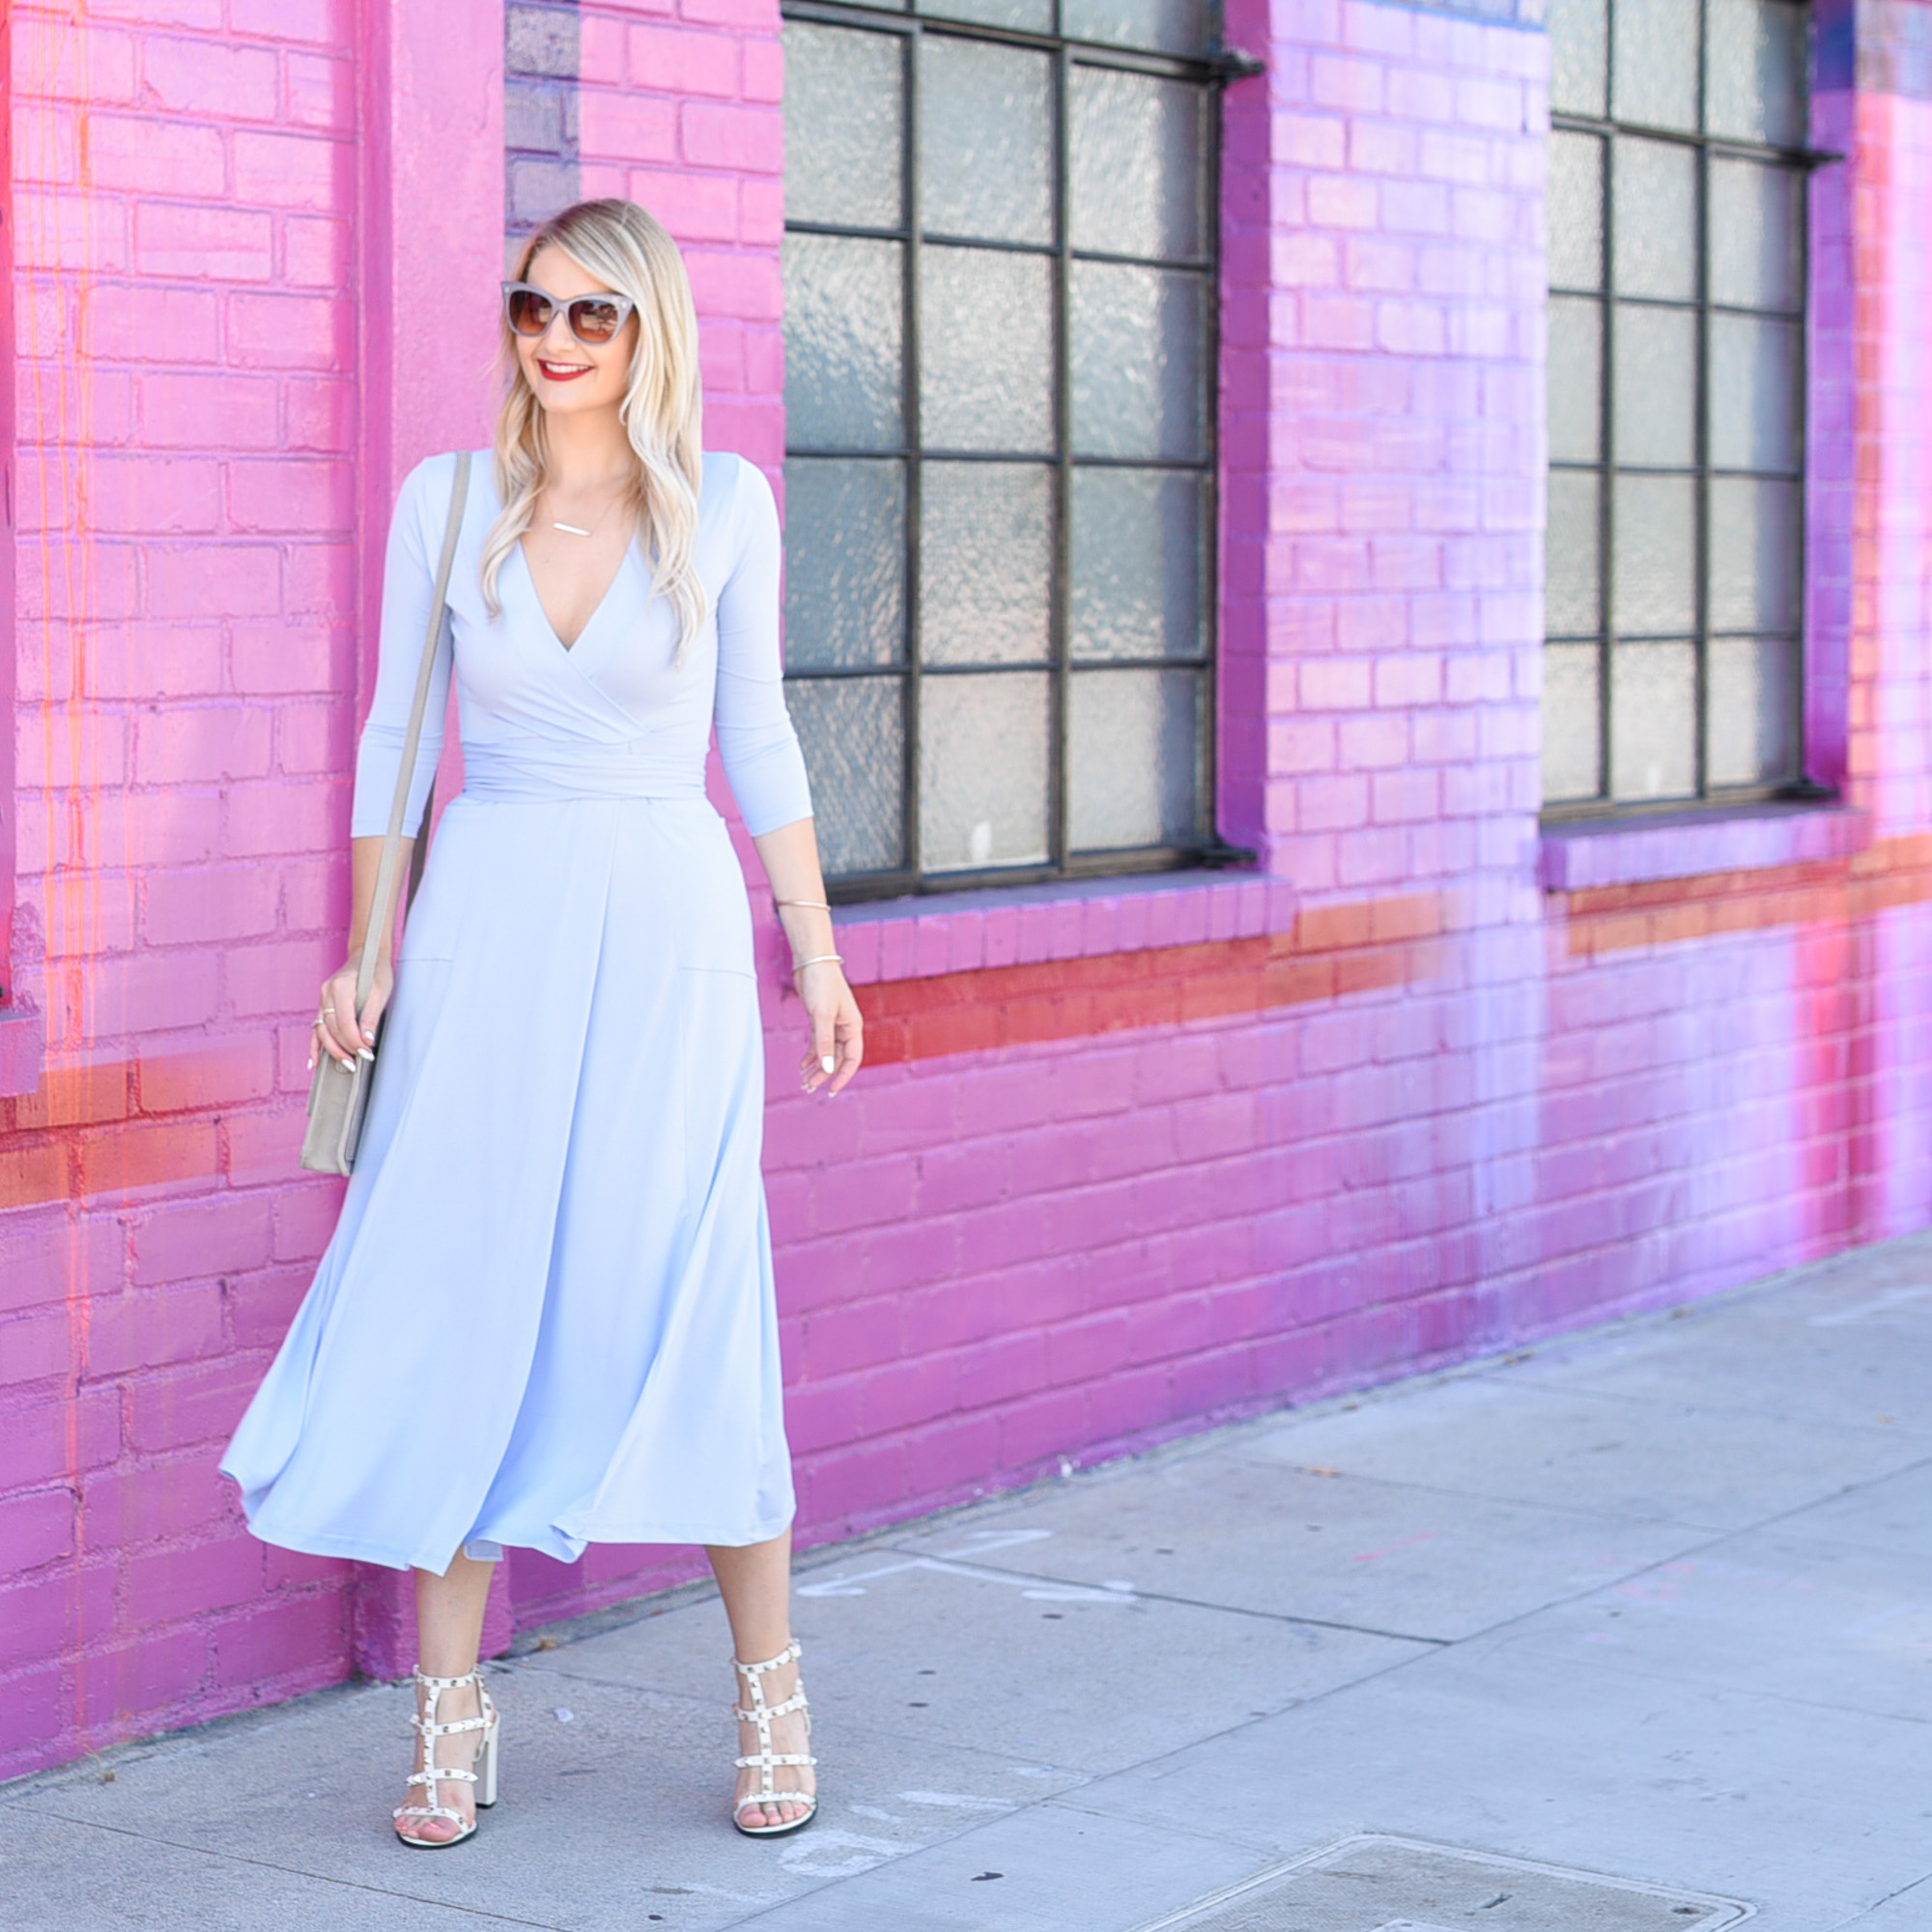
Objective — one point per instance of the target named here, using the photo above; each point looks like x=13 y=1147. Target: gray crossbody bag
x=338 y=1094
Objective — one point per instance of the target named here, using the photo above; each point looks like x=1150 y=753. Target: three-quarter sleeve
x=755 y=740
x=409 y=583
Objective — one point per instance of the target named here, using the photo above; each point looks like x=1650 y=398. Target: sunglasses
x=593 y=320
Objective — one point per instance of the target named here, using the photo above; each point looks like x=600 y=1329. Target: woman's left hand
x=837 y=1033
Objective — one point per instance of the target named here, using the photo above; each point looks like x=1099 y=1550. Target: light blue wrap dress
x=546 y=1318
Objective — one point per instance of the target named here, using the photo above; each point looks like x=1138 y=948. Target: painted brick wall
x=184 y=179
x=1128 y=1158
x=540 y=108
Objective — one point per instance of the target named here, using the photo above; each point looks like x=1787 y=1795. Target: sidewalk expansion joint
x=227 y=1856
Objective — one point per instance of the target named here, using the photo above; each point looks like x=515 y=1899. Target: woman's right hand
x=337 y=1030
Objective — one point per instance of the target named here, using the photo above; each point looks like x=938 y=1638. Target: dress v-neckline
x=596 y=611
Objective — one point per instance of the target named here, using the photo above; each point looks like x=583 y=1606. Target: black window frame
x=1211 y=68
x=1804 y=161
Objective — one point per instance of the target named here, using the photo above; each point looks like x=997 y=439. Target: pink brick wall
x=185 y=478
x=1237 y=1142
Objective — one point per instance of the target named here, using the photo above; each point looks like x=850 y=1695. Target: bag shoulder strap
x=392 y=839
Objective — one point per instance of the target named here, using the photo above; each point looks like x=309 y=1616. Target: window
x=1000 y=300
x=1677 y=275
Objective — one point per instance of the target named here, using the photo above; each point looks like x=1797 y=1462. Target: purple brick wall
x=1131 y=1158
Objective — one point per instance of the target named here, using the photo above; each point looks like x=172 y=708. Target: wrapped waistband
x=532 y=770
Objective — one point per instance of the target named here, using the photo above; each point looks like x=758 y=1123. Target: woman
x=546 y=1318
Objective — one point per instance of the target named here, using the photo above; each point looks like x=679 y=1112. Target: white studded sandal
x=483 y=1776
x=767 y=1760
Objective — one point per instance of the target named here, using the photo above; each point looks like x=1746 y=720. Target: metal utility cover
x=1377 y=1884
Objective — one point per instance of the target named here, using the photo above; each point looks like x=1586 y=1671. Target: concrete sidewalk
x=1655 y=1602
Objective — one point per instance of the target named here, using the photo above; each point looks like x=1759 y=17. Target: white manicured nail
x=829 y=1063
x=365 y=1053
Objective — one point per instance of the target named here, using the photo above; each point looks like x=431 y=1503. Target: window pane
x=1138 y=183
x=1030 y=16
x=844 y=125
x=1578 y=47
x=1654 y=720
x=1656 y=387
x=1575 y=212
x=985 y=559
x=1754 y=85
x=1753 y=706
x=1573 y=742
x=1575 y=380
x=852 y=730
x=982 y=765
x=1140 y=338
x=1134 y=760
x=1140 y=564
x=1757 y=217
x=986 y=141
x=1656 y=221
x=986 y=350
x=1162 y=26
x=1573 y=598
x=845 y=562
x=1754 y=394
x=1754 y=551
x=842 y=334
x=1655 y=83
x=1652 y=572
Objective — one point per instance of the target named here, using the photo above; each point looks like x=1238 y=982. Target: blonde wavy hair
x=661 y=412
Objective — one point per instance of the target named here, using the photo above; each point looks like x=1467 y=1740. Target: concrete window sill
x=1022 y=926
x=1683 y=845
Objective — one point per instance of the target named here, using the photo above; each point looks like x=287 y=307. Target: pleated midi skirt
x=546 y=1318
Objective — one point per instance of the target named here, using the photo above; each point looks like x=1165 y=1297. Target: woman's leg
x=449 y=1627
x=755 y=1584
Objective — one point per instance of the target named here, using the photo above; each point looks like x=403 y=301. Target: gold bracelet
x=809 y=906
x=798 y=966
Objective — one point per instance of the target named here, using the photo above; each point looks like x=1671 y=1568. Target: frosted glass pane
x=1138 y=183
x=1755 y=398
x=845 y=562
x=985 y=559
x=1751 y=734
x=1031 y=16
x=1138 y=564
x=986 y=350
x=1134 y=758
x=843 y=334
x=1163 y=26
x=1754 y=549
x=1573 y=548
x=852 y=732
x=986 y=141
x=1655 y=81
x=1575 y=379
x=1754 y=83
x=982 y=765
x=1579 y=49
x=1572 y=745
x=1656 y=387
x=1139 y=361
x=1757 y=217
x=1652 y=579
x=1575 y=211
x=844 y=125
x=1656 y=220
x=1654 y=720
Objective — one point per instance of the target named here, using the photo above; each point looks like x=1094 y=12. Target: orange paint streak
x=1668 y=912
x=1332 y=950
